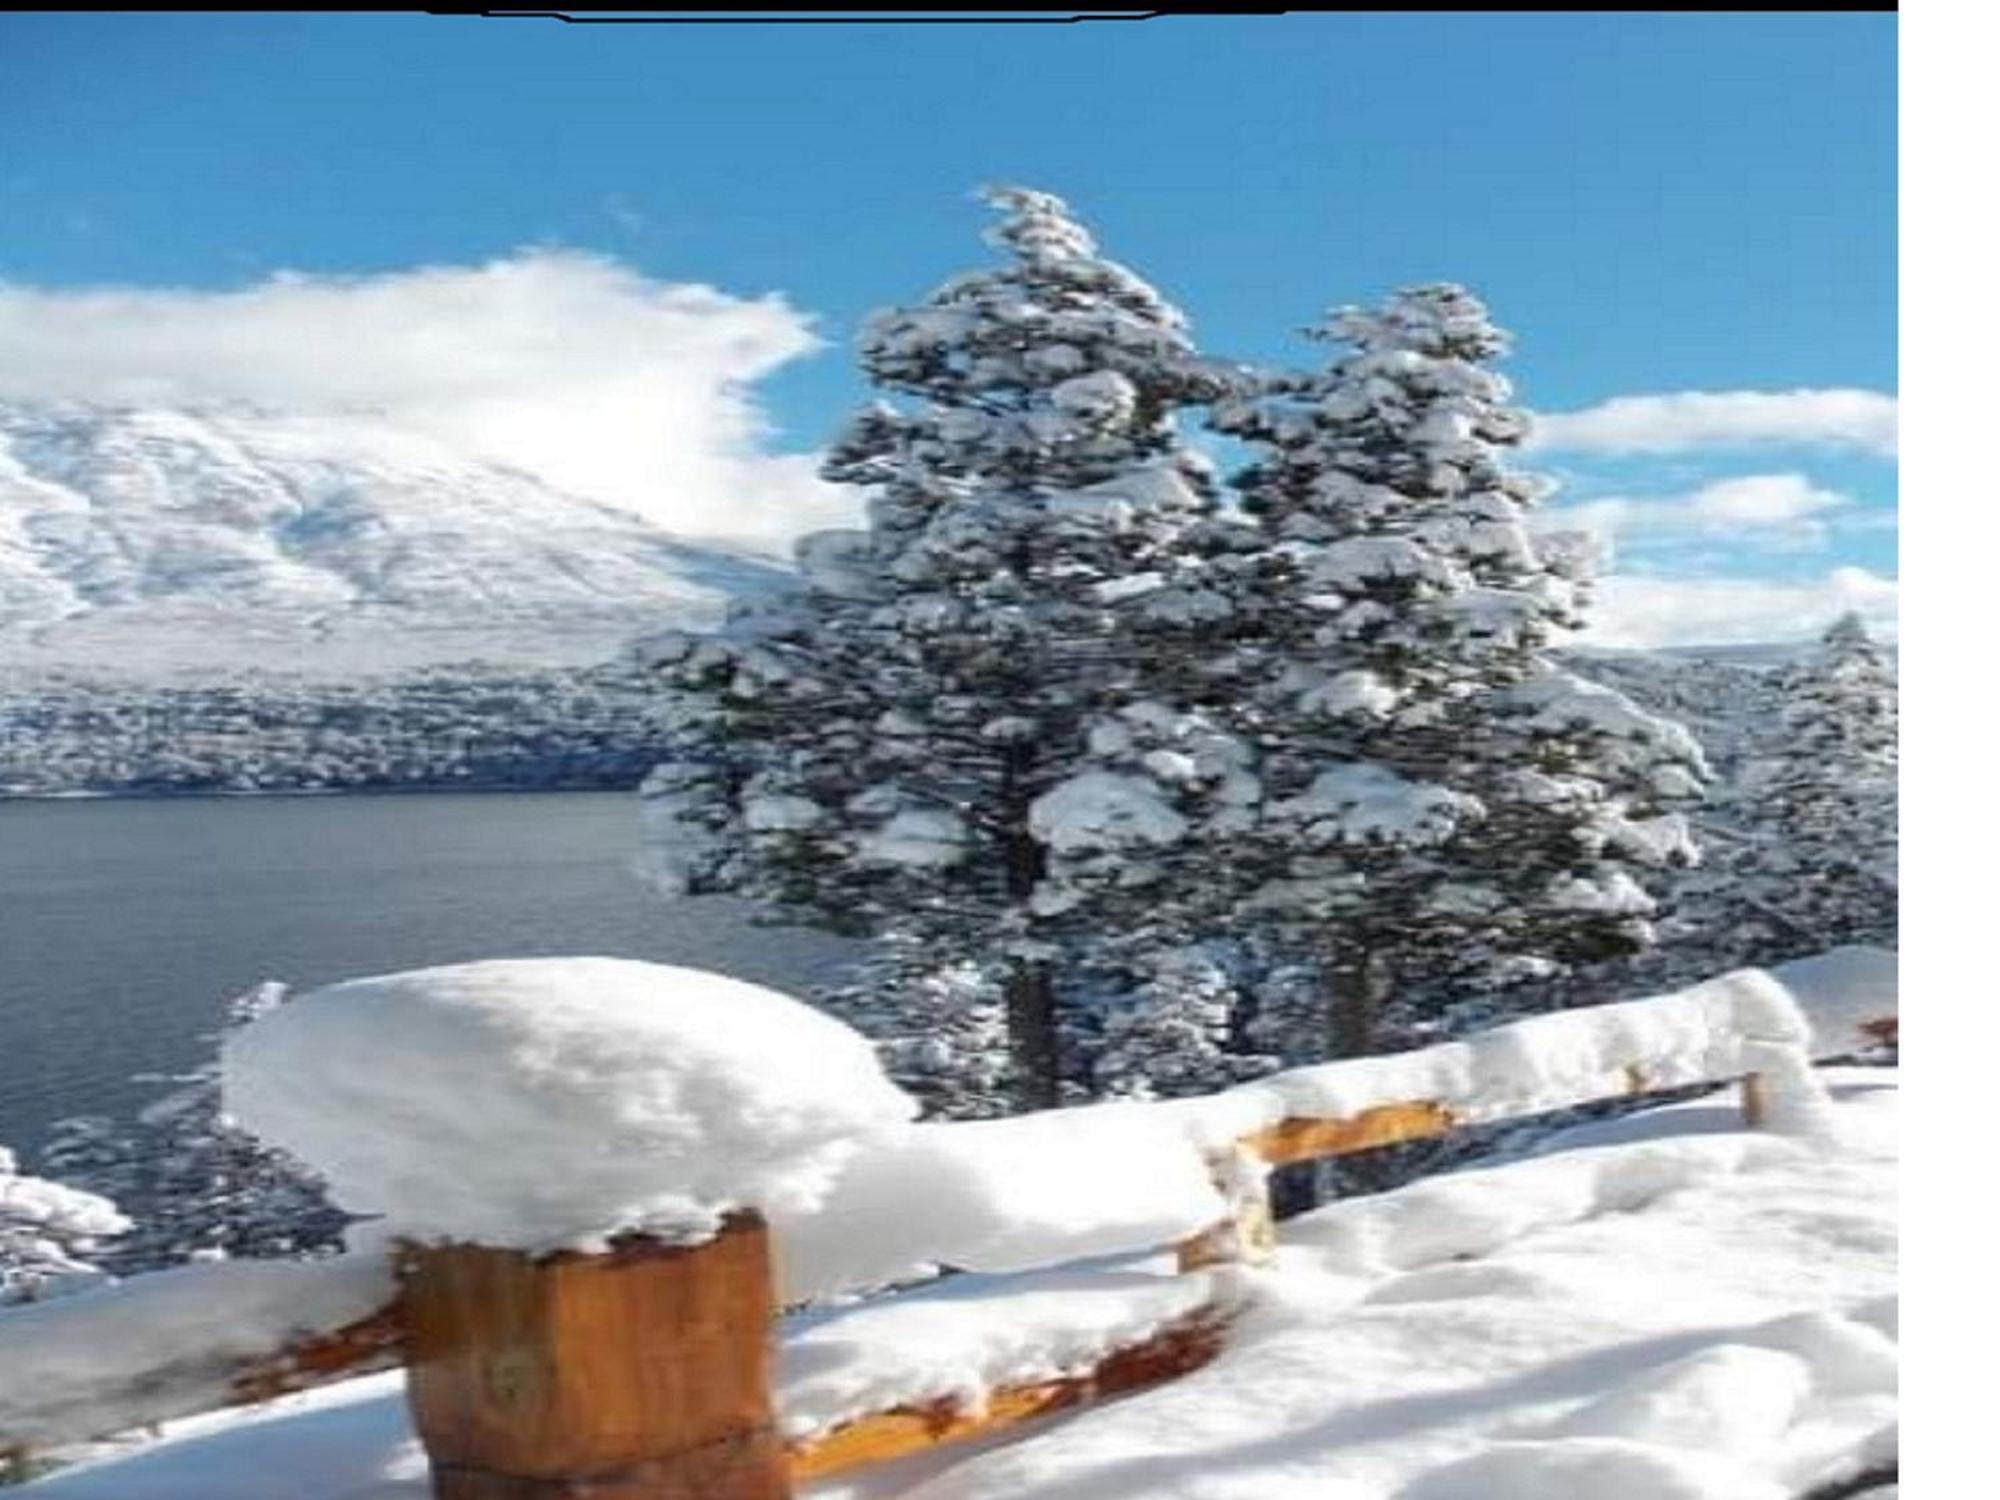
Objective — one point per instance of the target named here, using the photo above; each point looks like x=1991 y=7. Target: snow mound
x=999 y=1196
x=553 y=1102
x=1590 y=1466
x=1731 y=1397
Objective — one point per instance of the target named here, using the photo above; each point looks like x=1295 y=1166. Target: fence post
x=1753 y=1100
x=640 y=1374
x=1248 y=1236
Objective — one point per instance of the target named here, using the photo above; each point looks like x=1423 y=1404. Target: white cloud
x=1784 y=510
x=1638 y=611
x=580 y=370
x=1685 y=420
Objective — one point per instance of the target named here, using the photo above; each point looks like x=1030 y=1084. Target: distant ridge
x=153 y=543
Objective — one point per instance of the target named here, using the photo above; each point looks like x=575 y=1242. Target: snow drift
x=550 y=1102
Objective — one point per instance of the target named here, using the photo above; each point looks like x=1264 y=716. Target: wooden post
x=1248 y=1236
x=639 y=1374
x=1753 y=1100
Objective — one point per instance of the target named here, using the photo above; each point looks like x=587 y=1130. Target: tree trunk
x=1354 y=994
x=1031 y=1034
x=1357 y=982
x=1031 y=996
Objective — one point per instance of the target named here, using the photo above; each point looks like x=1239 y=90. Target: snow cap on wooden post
x=575 y=1155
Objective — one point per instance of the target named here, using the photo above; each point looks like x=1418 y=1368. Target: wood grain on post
x=639 y=1374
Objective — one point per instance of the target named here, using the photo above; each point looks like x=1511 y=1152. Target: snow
x=1557 y=701
x=1611 y=891
x=1150 y=488
x=1359 y=802
x=1707 y=1032
x=1660 y=1307
x=998 y=1195
x=45 y=1227
x=53 y=1208
x=49 y=1219
x=1531 y=1470
x=920 y=837
x=781 y=814
x=1579 y=1312
x=1352 y=692
x=548 y=1102
x=167 y=1344
x=1349 y=565
x=972 y=1334
x=632 y=1096
x=1101 y=398
x=160 y=542
x=1790 y=1100
x=1563 y=1350
x=1103 y=810
x=1659 y=842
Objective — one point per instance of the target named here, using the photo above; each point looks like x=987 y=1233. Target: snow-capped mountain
x=147 y=541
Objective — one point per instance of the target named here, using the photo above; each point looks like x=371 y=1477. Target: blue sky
x=1655 y=204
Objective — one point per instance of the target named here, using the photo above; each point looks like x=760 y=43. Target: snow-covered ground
x=1665 y=1307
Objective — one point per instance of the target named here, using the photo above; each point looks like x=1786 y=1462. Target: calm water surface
x=125 y=926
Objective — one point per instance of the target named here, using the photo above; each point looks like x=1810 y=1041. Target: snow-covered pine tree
x=47 y=1231
x=1137 y=856
x=1814 y=813
x=1176 y=1027
x=941 y=1031
x=1444 y=812
x=194 y=1185
x=866 y=756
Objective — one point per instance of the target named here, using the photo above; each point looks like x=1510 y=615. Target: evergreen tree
x=941 y=1031
x=1178 y=1029
x=868 y=756
x=1814 y=810
x=1443 y=811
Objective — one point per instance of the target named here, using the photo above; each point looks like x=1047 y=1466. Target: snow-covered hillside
x=148 y=542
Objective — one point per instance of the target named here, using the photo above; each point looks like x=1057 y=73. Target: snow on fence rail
x=599 y=1180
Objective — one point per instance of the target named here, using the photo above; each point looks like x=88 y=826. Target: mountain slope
x=148 y=542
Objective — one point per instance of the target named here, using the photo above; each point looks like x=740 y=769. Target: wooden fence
x=645 y=1373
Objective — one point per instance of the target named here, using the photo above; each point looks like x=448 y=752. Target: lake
x=126 y=925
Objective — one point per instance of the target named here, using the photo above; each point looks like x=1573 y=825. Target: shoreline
x=396 y=789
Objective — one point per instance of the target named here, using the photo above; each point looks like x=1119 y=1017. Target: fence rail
x=650 y=1366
